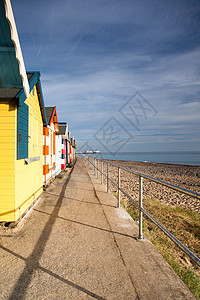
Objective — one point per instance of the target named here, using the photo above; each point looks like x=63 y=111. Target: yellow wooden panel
x=8 y=192
x=7 y=150
x=34 y=106
x=7 y=119
x=7 y=133
x=35 y=131
x=6 y=179
x=7 y=203
x=6 y=165
x=7 y=159
x=29 y=178
x=7 y=173
x=8 y=185
x=10 y=126
x=31 y=168
x=7 y=139
x=7 y=110
x=19 y=163
x=31 y=184
x=27 y=201
x=7 y=144
x=5 y=216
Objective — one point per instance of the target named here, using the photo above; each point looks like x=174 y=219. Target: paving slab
x=75 y=244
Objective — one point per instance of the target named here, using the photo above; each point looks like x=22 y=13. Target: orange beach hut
x=49 y=145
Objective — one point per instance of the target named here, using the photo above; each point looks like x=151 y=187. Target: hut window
x=22 y=131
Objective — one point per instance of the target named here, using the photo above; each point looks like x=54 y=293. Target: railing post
x=107 y=177
x=140 y=206
x=118 y=187
x=95 y=166
x=102 y=172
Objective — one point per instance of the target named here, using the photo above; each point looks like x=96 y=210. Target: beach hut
x=22 y=115
x=64 y=132
x=49 y=145
x=72 y=143
x=21 y=146
x=75 y=147
x=58 y=153
x=61 y=150
x=68 y=148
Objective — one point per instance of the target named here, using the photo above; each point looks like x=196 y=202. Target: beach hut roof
x=34 y=80
x=72 y=141
x=63 y=127
x=51 y=114
x=13 y=76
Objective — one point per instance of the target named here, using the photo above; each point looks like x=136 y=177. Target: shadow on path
x=80 y=288
x=32 y=262
x=91 y=226
x=73 y=199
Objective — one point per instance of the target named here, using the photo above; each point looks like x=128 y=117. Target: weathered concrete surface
x=76 y=245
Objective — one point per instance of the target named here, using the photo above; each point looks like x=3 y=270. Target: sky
x=125 y=75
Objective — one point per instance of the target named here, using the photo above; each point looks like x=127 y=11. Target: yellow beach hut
x=21 y=150
x=22 y=115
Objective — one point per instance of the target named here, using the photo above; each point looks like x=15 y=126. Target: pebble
x=180 y=175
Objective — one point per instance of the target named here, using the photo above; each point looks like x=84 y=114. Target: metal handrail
x=140 y=206
x=170 y=185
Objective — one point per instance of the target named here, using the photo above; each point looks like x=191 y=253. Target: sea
x=175 y=157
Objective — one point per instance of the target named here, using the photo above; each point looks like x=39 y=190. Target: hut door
x=65 y=151
x=51 y=152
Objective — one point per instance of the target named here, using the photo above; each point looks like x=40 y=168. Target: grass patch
x=184 y=225
x=115 y=193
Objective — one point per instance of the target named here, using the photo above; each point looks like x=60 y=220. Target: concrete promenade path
x=75 y=244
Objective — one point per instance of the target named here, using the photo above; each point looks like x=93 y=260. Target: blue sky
x=126 y=73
